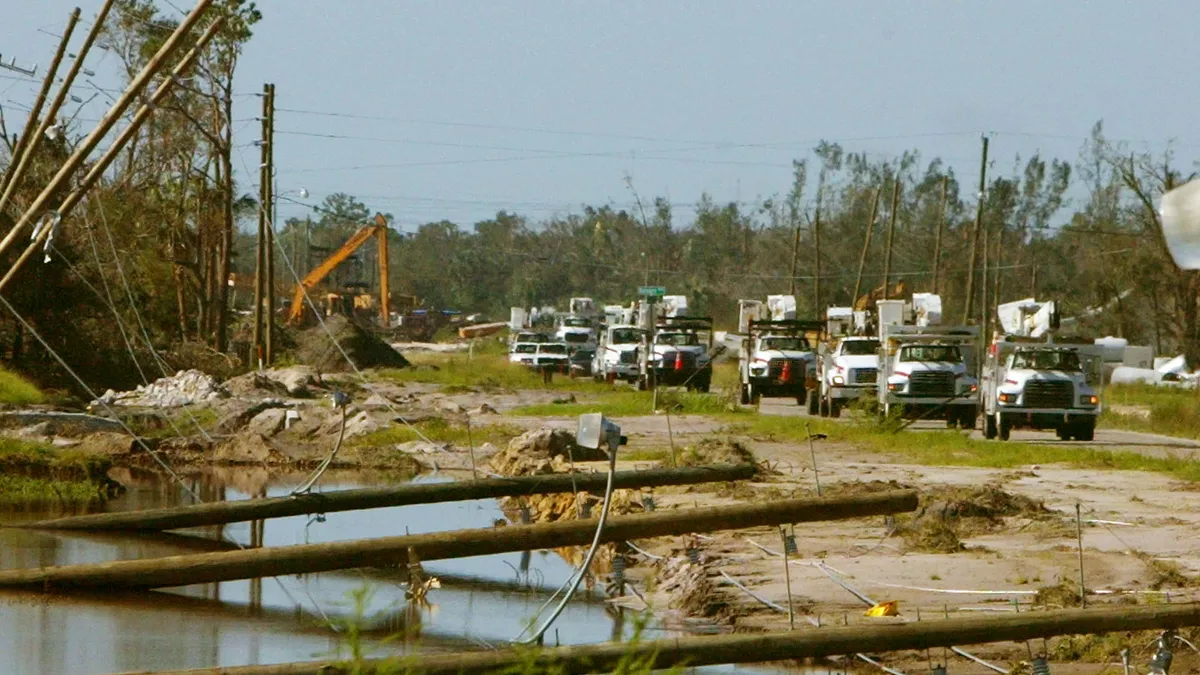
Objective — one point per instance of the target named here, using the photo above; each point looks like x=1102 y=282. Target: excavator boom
x=318 y=273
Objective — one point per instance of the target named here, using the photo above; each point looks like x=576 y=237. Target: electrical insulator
x=648 y=501
x=1161 y=663
x=618 y=570
x=789 y=544
x=1040 y=666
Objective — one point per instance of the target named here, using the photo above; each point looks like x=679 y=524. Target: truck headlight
x=838 y=379
x=1008 y=398
x=974 y=388
x=895 y=386
x=1088 y=399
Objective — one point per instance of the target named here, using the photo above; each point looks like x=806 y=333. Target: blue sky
x=461 y=108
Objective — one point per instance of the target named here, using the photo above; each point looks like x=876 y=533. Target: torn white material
x=928 y=308
x=1180 y=211
x=782 y=307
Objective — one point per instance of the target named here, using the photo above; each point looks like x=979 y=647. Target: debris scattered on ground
x=716 y=451
x=294 y=381
x=542 y=451
x=363 y=347
x=949 y=513
x=187 y=387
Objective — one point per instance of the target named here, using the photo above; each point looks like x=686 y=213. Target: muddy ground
x=984 y=540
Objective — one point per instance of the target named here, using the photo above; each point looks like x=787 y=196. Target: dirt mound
x=716 y=451
x=949 y=513
x=542 y=451
x=365 y=349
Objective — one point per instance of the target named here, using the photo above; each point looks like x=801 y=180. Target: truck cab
x=1041 y=386
x=777 y=360
x=846 y=372
x=926 y=372
x=617 y=354
x=680 y=354
x=578 y=332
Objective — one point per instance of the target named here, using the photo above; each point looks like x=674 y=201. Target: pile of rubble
x=187 y=387
x=542 y=451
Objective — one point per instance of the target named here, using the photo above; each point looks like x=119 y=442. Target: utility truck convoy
x=680 y=354
x=927 y=371
x=1035 y=384
x=844 y=373
x=777 y=360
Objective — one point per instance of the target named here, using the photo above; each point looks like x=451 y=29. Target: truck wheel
x=642 y=384
x=704 y=386
x=952 y=417
x=1005 y=428
x=823 y=408
x=803 y=397
x=814 y=402
x=1063 y=432
x=835 y=408
x=989 y=427
x=745 y=398
x=1086 y=431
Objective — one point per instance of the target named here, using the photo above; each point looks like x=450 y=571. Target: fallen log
x=758 y=647
x=203 y=568
x=220 y=513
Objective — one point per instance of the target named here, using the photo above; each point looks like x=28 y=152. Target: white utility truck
x=680 y=354
x=1034 y=383
x=617 y=354
x=845 y=372
x=777 y=360
x=928 y=371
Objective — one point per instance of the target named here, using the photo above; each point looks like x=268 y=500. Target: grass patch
x=948 y=448
x=16 y=390
x=440 y=431
x=632 y=403
x=186 y=421
x=462 y=373
x=1171 y=411
x=32 y=474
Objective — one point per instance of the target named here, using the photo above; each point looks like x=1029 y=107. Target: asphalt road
x=1155 y=445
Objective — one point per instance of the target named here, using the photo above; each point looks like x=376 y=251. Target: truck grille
x=864 y=375
x=688 y=358
x=931 y=383
x=1049 y=394
x=629 y=356
x=775 y=369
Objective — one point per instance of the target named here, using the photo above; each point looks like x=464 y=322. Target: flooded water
x=483 y=601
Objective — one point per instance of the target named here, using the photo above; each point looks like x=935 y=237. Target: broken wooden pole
x=221 y=513
x=204 y=568
x=757 y=647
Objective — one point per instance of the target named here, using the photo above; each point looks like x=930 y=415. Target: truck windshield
x=625 y=336
x=577 y=323
x=678 y=339
x=794 y=343
x=1046 y=360
x=860 y=347
x=526 y=349
x=553 y=349
x=577 y=338
x=932 y=353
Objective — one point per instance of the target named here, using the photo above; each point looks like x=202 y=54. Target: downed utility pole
x=204 y=568
x=696 y=651
x=101 y=165
x=36 y=111
x=221 y=513
x=37 y=207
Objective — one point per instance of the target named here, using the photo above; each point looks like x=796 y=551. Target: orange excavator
x=379 y=231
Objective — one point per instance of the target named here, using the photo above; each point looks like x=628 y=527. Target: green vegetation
x=32 y=474
x=1168 y=410
x=438 y=430
x=624 y=402
x=16 y=390
x=946 y=448
x=186 y=421
x=461 y=372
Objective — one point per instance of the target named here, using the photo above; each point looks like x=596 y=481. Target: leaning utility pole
x=270 y=220
x=40 y=101
x=862 y=259
x=817 y=258
x=937 y=238
x=22 y=162
x=36 y=208
x=887 y=256
x=795 y=256
x=260 y=250
x=975 y=233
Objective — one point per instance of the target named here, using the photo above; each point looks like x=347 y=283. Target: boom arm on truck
x=378 y=230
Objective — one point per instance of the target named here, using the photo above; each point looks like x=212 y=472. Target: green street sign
x=652 y=291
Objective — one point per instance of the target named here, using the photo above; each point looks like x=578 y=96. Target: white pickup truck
x=617 y=354
x=1040 y=385
x=541 y=356
x=924 y=372
x=844 y=374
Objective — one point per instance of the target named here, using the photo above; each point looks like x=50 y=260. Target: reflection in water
x=483 y=600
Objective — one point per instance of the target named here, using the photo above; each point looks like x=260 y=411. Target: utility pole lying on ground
x=203 y=568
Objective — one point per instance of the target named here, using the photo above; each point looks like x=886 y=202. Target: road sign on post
x=652 y=292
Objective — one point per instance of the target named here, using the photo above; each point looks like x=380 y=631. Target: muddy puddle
x=482 y=601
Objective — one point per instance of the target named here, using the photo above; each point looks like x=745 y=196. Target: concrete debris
x=422 y=448
x=187 y=387
x=267 y=423
x=542 y=451
x=293 y=381
x=236 y=420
